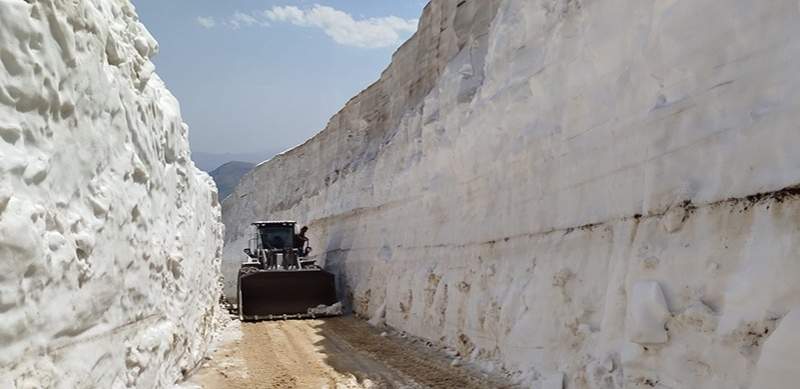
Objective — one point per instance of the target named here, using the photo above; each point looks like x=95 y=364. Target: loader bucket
x=280 y=294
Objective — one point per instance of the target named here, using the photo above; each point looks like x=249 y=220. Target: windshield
x=277 y=237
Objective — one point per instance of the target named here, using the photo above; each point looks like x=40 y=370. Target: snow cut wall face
x=110 y=238
x=589 y=194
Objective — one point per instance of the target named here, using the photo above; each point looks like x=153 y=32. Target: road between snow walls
x=110 y=238
x=580 y=194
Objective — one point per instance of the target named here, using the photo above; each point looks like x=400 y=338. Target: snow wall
x=587 y=194
x=110 y=238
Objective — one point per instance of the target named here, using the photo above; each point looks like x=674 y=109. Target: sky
x=265 y=75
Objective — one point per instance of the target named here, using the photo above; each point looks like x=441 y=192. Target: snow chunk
x=648 y=313
x=777 y=367
x=674 y=218
x=326 y=310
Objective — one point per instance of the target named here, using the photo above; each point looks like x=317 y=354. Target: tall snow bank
x=585 y=194
x=110 y=238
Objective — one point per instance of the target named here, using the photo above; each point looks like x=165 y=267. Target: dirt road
x=336 y=353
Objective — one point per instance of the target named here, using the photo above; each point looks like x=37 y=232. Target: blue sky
x=261 y=75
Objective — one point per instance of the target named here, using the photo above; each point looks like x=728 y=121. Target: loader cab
x=276 y=235
x=273 y=246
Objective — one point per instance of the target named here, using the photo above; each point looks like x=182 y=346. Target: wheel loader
x=278 y=280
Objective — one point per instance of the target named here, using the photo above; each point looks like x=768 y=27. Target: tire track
x=337 y=353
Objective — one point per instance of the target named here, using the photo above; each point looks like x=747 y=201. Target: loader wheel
x=239 y=300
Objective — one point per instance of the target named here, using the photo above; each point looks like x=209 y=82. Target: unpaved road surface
x=333 y=353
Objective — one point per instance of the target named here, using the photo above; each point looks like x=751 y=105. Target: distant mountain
x=228 y=175
x=210 y=161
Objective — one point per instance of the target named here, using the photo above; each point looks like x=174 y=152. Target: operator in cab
x=301 y=242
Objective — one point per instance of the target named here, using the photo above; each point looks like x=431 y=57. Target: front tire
x=239 y=300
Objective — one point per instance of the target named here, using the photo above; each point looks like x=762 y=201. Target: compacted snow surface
x=110 y=238
x=580 y=194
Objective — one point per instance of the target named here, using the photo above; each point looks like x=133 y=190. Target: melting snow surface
x=110 y=238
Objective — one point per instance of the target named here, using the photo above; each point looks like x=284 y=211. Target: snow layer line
x=522 y=166
x=110 y=238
